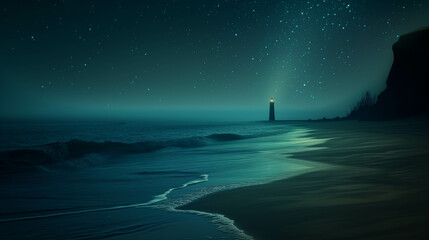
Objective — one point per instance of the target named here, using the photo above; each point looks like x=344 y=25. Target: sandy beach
x=377 y=187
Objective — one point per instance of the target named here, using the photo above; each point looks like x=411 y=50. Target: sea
x=125 y=180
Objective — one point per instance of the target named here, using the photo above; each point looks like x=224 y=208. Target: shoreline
x=228 y=225
x=379 y=190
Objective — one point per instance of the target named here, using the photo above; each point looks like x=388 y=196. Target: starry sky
x=208 y=59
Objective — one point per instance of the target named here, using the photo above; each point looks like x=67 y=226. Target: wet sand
x=377 y=187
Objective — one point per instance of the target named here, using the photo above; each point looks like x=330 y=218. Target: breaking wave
x=62 y=153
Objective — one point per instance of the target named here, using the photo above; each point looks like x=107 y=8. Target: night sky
x=196 y=59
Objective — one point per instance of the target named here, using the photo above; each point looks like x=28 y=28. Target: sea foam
x=155 y=199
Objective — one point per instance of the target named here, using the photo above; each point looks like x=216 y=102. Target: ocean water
x=124 y=180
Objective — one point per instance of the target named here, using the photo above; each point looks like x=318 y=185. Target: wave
x=227 y=137
x=154 y=200
x=61 y=153
x=169 y=173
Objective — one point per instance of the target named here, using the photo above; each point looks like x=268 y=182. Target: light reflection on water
x=111 y=200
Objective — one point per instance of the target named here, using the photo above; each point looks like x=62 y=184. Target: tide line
x=155 y=199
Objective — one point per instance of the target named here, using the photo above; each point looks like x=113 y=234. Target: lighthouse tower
x=272 y=118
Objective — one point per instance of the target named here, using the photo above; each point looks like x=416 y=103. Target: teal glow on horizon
x=179 y=59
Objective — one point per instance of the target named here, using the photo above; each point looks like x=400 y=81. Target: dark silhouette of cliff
x=363 y=106
x=407 y=90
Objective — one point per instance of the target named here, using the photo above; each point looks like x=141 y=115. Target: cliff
x=407 y=90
